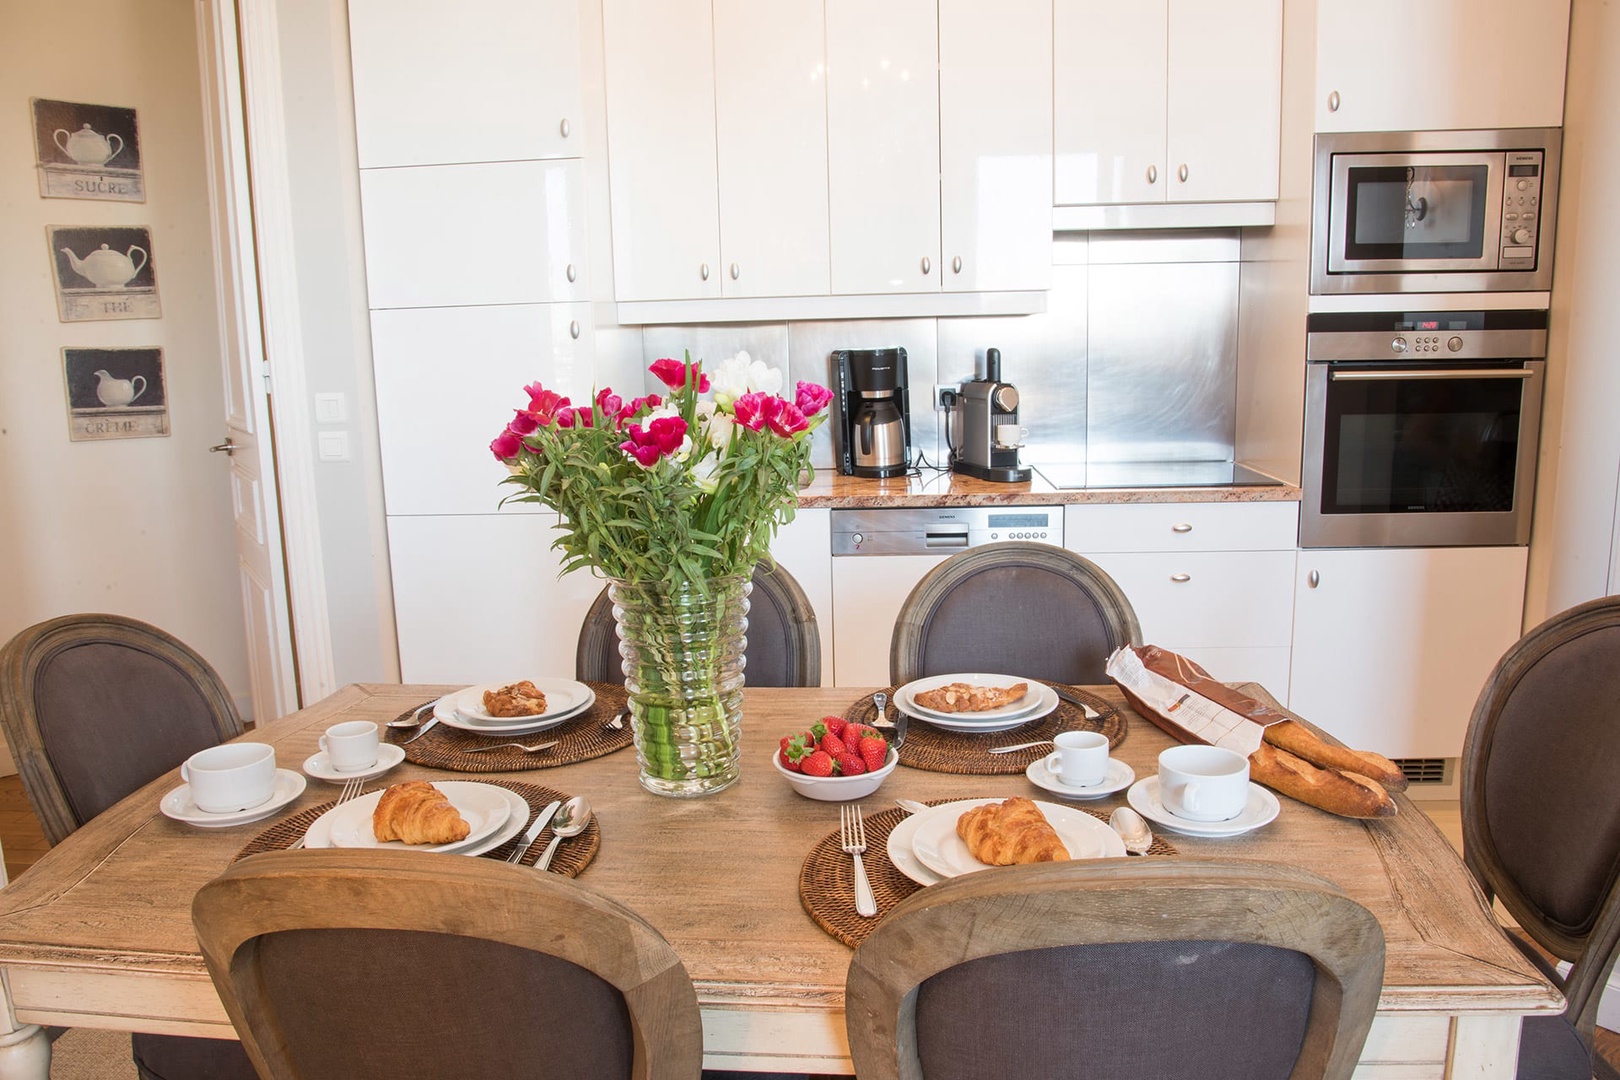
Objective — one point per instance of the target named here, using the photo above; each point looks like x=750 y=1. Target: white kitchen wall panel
x=883 y=145
x=995 y=144
x=1450 y=64
x=448 y=380
x=662 y=154
x=477 y=80
x=502 y=233
x=1392 y=645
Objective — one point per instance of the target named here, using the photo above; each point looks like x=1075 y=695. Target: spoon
x=571 y=820
x=1132 y=830
x=880 y=699
x=413 y=720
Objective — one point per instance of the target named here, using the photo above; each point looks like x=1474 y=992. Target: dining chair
x=95 y=706
x=1541 y=823
x=349 y=964
x=1015 y=608
x=1166 y=968
x=784 y=644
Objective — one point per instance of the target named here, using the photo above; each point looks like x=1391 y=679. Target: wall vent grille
x=1430 y=770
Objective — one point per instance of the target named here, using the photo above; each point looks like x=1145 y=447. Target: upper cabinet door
x=479 y=80
x=661 y=149
x=771 y=121
x=1225 y=100
x=1110 y=85
x=883 y=145
x=995 y=140
x=1436 y=65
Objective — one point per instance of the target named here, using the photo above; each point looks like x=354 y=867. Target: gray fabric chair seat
x=1551 y=1049
x=173 y=1057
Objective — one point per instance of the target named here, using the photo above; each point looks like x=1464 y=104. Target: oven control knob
x=1455 y=344
x=1521 y=236
x=857 y=539
x=1399 y=344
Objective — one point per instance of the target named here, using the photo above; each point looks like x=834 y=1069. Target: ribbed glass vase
x=683 y=652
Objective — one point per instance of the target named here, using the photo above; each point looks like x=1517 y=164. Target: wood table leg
x=25 y=1049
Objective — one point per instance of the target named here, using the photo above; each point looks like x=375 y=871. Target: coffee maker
x=874 y=415
x=988 y=434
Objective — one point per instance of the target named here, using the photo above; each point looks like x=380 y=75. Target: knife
x=427 y=727
x=1074 y=699
x=535 y=830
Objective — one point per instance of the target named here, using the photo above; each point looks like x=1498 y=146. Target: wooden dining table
x=98 y=933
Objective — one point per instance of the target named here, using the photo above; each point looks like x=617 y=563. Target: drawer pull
x=1314 y=578
x=1180 y=578
x=1181 y=527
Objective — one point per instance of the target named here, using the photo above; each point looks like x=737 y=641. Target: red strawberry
x=835 y=725
x=856 y=732
x=833 y=745
x=874 y=750
x=850 y=764
x=817 y=763
x=786 y=758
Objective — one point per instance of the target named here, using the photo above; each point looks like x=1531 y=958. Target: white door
x=1109 y=101
x=247 y=401
x=1225 y=100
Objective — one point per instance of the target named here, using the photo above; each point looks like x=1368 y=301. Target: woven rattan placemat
x=938 y=750
x=573 y=855
x=580 y=739
x=827 y=879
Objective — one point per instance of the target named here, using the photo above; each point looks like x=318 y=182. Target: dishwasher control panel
x=942 y=530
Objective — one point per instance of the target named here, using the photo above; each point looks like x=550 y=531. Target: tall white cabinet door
x=995 y=144
x=1481 y=64
x=1392 y=645
x=475 y=80
x=1109 y=100
x=770 y=82
x=1225 y=100
x=661 y=147
x=883 y=145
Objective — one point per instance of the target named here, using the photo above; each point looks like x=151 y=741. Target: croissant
x=1010 y=832
x=958 y=697
x=416 y=812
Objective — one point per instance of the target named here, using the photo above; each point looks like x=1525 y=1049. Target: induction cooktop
x=1138 y=474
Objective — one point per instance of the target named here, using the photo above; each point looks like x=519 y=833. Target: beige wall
x=139 y=527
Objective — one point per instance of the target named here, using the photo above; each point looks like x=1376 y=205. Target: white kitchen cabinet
x=1392 y=645
x=1173 y=101
x=1435 y=65
x=995 y=145
x=868 y=592
x=478 y=80
x=492 y=233
x=803 y=547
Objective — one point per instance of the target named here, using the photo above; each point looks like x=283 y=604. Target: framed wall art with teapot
x=115 y=393
x=87 y=151
x=103 y=272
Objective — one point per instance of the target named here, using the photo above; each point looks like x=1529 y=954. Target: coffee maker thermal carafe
x=873 y=412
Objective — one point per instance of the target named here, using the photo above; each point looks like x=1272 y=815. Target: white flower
x=718 y=426
x=734 y=377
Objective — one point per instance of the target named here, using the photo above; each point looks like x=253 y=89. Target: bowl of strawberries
x=834 y=761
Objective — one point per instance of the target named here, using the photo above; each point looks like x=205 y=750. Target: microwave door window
x=1416 y=212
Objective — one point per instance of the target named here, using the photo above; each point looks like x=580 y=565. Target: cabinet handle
x=1182 y=172
x=1181 y=526
x=956 y=265
x=563 y=127
x=703 y=271
x=573 y=329
x=1153 y=174
x=927 y=264
x=570 y=272
x=1314 y=578
x=736 y=271
x=1333 y=101
x=1180 y=578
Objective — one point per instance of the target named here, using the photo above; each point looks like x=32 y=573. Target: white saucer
x=388 y=755
x=177 y=804
x=904 y=858
x=1120 y=776
x=1262 y=809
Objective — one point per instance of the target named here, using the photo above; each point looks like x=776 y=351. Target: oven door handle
x=1390 y=376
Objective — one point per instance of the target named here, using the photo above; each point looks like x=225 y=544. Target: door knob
x=227 y=447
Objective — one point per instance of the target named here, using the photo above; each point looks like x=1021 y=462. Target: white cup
x=1010 y=435
x=351 y=745
x=1080 y=760
x=231 y=777
x=1203 y=783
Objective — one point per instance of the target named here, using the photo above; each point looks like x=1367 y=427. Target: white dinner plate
x=484 y=806
x=1046 y=700
x=1119 y=777
x=904 y=858
x=906 y=696
x=1261 y=809
x=320 y=766
x=177 y=804
x=939 y=848
x=447 y=714
x=564 y=697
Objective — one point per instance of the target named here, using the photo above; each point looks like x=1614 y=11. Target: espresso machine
x=874 y=415
x=987 y=432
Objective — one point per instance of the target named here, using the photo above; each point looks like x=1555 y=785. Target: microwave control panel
x=1521 y=209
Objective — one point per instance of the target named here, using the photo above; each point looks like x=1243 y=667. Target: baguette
x=1300 y=741
x=1347 y=794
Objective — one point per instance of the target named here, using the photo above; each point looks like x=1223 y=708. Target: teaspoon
x=1133 y=831
x=571 y=820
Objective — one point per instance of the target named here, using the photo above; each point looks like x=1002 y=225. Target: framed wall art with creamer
x=115 y=393
x=87 y=151
x=103 y=272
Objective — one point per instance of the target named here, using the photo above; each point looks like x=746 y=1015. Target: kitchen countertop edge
x=832 y=490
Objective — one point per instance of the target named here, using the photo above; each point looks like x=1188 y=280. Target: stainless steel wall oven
x=1421 y=428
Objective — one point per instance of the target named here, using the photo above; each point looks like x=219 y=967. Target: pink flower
x=522 y=422
x=651 y=401
x=583 y=418
x=788 y=421
x=610 y=403
x=506 y=445
x=674 y=374
x=755 y=410
x=811 y=398
x=663 y=437
x=544 y=404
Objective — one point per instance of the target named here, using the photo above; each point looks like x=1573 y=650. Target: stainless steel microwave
x=1435 y=211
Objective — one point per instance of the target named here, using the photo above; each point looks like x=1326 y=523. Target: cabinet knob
x=927 y=265
x=1182 y=527
x=1182 y=172
x=570 y=272
x=1153 y=174
x=736 y=271
x=1180 y=578
x=703 y=271
x=1314 y=578
x=563 y=127
x=1333 y=101
x=956 y=265
x=573 y=329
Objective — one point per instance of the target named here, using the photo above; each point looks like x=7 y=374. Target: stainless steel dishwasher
x=880 y=555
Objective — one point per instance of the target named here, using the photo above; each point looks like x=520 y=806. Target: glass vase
x=683 y=661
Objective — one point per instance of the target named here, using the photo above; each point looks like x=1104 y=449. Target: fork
x=852 y=837
x=351 y=791
x=502 y=746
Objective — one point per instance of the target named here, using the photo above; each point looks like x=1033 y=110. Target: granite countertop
x=831 y=489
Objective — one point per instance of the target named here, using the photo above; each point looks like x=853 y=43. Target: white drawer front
x=1232 y=599
x=1181 y=527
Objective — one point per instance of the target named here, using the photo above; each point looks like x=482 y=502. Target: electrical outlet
x=945 y=394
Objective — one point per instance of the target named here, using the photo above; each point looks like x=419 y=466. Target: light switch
x=333 y=445
x=331 y=408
